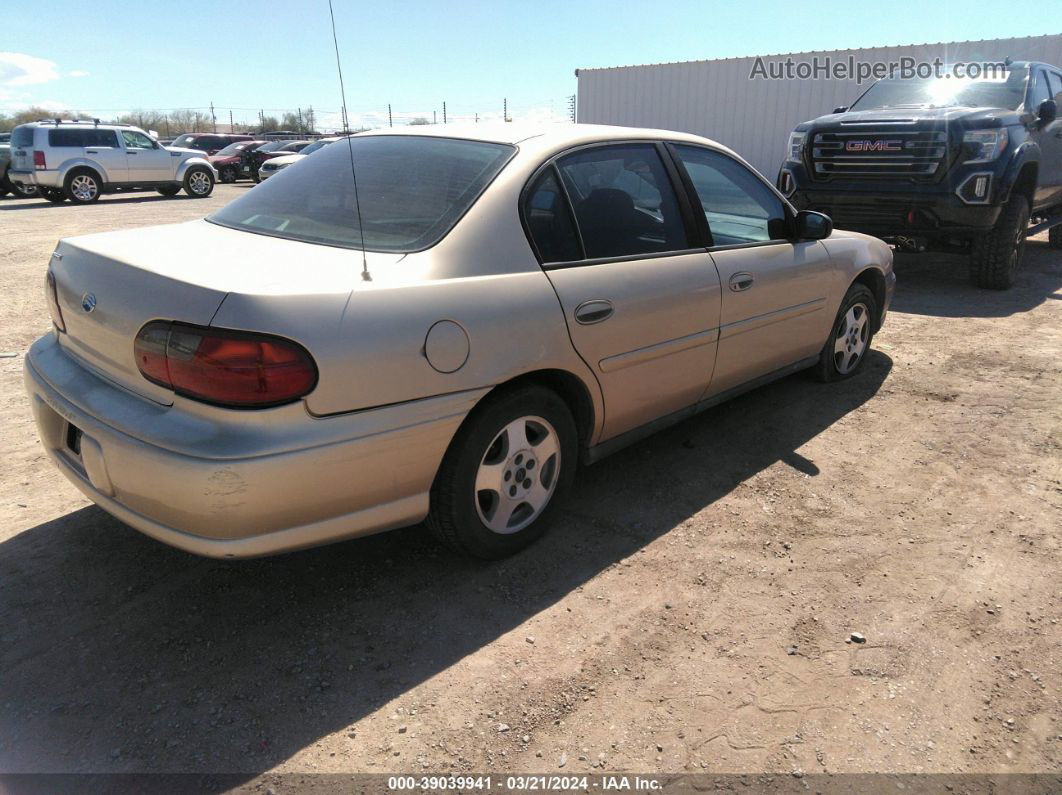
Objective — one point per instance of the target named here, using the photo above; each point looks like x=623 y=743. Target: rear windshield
x=412 y=190
x=22 y=136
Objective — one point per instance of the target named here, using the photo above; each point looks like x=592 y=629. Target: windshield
x=412 y=190
x=309 y=150
x=1003 y=91
x=233 y=149
x=273 y=146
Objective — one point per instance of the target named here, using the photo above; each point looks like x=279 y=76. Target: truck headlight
x=796 y=146
x=984 y=145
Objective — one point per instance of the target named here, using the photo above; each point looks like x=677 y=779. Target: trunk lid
x=109 y=285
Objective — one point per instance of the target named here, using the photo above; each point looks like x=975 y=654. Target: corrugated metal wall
x=754 y=117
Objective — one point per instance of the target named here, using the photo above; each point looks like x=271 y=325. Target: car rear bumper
x=43 y=178
x=238 y=484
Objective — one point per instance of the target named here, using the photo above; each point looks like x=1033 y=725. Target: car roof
x=558 y=135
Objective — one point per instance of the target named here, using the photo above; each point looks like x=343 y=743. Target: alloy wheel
x=199 y=182
x=517 y=475
x=84 y=188
x=853 y=334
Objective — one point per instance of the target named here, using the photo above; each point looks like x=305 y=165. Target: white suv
x=80 y=160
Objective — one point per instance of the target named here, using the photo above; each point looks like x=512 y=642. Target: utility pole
x=300 y=120
x=390 y=120
x=571 y=108
x=505 y=110
x=213 y=118
x=232 y=127
x=444 y=113
x=434 y=118
x=477 y=118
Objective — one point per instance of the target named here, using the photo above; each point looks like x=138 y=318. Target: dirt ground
x=690 y=612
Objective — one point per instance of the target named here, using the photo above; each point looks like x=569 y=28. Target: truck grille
x=880 y=154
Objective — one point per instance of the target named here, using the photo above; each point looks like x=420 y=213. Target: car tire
x=996 y=256
x=54 y=195
x=198 y=183
x=82 y=186
x=1054 y=236
x=851 y=335
x=169 y=190
x=228 y=174
x=6 y=186
x=486 y=501
x=23 y=191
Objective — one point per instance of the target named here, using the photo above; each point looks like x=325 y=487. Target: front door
x=1049 y=137
x=641 y=305
x=774 y=291
x=148 y=162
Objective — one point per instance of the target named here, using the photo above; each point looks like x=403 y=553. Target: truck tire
x=1054 y=236
x=996 y=256
x=54 y=195
x=505 y=473
x=169 y=190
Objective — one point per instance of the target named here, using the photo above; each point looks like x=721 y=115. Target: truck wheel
x=198 y=183
x=169 y=190
x=996 y=256
x=54 y=195
x=846 y=349
x=82 y=186
x=1054 y=236
x=23 y=191
x=505 y=473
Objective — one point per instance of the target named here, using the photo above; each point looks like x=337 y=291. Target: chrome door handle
x=130 y=152
x=590 y=312
x=741 y=281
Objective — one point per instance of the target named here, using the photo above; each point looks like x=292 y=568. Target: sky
x=106 y=57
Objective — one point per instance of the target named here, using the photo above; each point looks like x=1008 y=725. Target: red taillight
x=38 y=159
x=53 y=302
x=224 y=367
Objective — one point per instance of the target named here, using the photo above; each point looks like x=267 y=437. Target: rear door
x=774 y=291
x=148 y=162
x=640 y=301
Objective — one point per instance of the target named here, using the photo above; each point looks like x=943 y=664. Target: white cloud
x=19 y=69
x=77 y=73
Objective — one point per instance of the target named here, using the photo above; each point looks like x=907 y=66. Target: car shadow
x=123 y=655
x=108 y=199
x=939 y=284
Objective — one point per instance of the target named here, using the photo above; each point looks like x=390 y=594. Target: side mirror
x=809 y=225
x=842 y=109
x=1047 y=112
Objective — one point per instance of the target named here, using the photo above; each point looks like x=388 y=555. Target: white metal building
x=754 y=117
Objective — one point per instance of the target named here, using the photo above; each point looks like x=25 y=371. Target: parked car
x=211 y=143
x=275 y=164
x=6 y=185
x=80 y=161
x=948 y=162
x=312 y=363
x=234 y=161
x=271 y=150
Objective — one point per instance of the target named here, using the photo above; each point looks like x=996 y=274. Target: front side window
x=738 y=206
x=623 y=200
x=549 y=221
x=1038 y=91
x=136 y=140
x=411 y=191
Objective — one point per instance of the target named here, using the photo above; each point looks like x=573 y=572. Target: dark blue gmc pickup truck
x=943 y=163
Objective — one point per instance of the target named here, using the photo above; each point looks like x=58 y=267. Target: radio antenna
x=365 y=275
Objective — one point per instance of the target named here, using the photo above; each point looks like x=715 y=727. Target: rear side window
x=739 y=207
x=411 y=191
x=22 y=136
x=549 y=221
x=623 y=201
x=82 y=138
